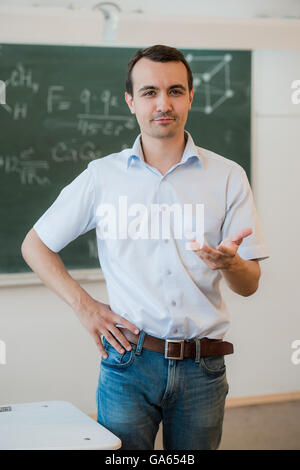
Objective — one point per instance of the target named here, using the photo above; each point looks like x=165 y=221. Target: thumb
x=243 y=233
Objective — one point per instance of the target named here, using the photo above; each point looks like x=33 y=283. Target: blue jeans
x=140 y=388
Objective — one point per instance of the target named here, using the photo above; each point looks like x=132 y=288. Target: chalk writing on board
x=212 y=85
x=91 y=113
x=88 y=124
x=28 y=170
x=18 y=110
x=22 y=77
x=99 y=113
x=66 y=152
x=55 y=100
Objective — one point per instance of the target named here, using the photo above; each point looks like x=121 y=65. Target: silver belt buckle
x=181 y=341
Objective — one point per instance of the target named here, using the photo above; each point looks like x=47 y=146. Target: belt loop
x=198 y=350
x=140 y=343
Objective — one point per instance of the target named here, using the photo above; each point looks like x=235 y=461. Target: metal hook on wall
x=111 y=12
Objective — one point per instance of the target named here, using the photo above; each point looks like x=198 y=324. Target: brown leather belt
x=180 y=348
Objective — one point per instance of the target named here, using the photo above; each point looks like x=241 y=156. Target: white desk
x=52 y=425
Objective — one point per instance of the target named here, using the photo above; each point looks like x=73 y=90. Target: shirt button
x=175 y=330
x=168 y=271
x=166 y=240
x=173 y=302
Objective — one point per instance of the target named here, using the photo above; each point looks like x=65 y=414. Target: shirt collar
x=190 y=151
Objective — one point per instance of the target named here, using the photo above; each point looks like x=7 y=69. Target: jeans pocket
x=213 y=365
x=115 y=359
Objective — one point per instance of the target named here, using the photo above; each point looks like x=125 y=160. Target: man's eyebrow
x=178 y=85
x=148 y=87
x=152 y=87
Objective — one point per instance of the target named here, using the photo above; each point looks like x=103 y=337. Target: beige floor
x=271 y=426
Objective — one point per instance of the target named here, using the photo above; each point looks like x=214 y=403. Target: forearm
x=51 y=270
x=242 y=276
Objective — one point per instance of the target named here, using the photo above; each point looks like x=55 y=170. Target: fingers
x=122 y=339
x=126 y=324
x=194 y=245
x=118 y=332
x=225 y=250
x=235 y=239
x=230 y=244
x=112 y=333
x=208 y=252
x=243 y=233
x=103 y=322
x=99 y=344
x=111 y=339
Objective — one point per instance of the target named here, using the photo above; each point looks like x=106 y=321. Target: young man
x=162 y=335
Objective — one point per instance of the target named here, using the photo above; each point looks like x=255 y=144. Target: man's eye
x=176 y=92
x=148 y=93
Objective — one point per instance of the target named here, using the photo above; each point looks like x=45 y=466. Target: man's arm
x=97 y=317
x=242 y=276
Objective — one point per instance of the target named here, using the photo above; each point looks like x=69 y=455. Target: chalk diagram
x=212 y=85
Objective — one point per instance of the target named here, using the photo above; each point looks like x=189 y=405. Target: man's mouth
x=164 y=119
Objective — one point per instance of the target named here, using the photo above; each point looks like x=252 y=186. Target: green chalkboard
x=65 y=107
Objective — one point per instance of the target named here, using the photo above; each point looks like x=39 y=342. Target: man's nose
x=163 y=104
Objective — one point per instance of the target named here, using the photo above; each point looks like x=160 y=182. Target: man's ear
x=129 y=101
x=191 y=93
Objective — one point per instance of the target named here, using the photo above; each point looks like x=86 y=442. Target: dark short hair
x=157 y=53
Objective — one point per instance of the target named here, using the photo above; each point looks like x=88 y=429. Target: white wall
x=51 y=356
x=228 y=8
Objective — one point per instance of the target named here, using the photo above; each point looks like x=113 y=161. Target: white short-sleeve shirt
x=152 y=279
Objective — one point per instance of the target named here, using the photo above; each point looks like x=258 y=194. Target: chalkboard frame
x=132 y=49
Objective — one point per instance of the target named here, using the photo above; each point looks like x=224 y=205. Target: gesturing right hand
x=99 y=319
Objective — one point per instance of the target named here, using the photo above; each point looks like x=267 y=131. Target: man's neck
x=163 y=153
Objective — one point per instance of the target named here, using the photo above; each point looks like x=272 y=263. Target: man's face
x=161 y=98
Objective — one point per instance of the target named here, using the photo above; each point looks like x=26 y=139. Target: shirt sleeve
x=241 y=213
x=70 y=215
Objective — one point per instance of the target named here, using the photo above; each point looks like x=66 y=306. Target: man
x=162 y=349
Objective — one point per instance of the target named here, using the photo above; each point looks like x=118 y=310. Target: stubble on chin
x=165 y=131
